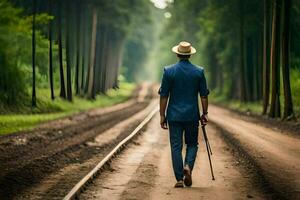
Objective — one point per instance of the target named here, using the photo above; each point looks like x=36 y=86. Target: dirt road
x=46 y=162
x=250 y=160
x=276 y=154
x=143 y=171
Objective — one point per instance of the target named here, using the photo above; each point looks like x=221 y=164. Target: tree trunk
x=60 y=52
x=242 y=56
x=259 y=55
x=275 y=61
x=85 y=34
x=110 y=61
x=92 y=55
x=255 y=69
x=79 y=47
x=104 y=58
x=50 y=52
x=106 y=61
x=266 y=57
x=248 y=77
x=33 y=100
x=99 y=40
x=68 y=51
x=288 y=103
x=88 y=48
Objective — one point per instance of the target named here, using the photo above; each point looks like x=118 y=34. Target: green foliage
x=50 y=110
x=11 y=29
x=295 y=37
x=295 y=88
x=255 y=107
x=138 y=43
x=215 y=28
x=15 y=53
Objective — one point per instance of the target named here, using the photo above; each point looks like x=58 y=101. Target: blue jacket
x=182 y=82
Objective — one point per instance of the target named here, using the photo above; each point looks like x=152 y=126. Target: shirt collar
x=184 y=61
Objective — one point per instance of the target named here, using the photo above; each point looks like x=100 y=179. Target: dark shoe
x=179 y=184
x=187 y=176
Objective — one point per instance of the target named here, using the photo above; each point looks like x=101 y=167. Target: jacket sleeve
x=203 y=90
x=164 y=89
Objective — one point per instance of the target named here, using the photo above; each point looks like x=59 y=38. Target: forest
x=74 y=46
x=55 y=51
x=250 y=50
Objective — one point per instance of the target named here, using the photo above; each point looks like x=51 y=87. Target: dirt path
x=276 y=154
x=143 y=171
x=46 y=154
x=56 y=185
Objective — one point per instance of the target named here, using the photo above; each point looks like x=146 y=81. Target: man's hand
x=163 y=122
x=204 y=119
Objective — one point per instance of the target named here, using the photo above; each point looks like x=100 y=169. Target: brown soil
x=275 y=154
x=144 y=171
x=41 y=155
x=291 y=126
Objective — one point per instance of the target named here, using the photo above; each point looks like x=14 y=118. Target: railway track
x=54 y=157
x=80 y=186
x=86 y=148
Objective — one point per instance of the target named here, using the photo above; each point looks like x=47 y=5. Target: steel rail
x=79 y=187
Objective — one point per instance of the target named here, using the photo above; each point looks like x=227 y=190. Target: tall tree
x=79 y=46
x=104 y=58
x=87 y=49
x=68 y=50
x=275 y=60
x=84 y=50
x=50 y=51
x=92 y=55
x=33 y=53
x=243 y=96
x=60 y=52
x=288 y=103
x=266 y=56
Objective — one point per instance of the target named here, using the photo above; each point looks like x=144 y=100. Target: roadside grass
x=256 y=107
x=50 y=110
x=249 y=107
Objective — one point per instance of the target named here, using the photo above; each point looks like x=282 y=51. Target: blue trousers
x=190 y=131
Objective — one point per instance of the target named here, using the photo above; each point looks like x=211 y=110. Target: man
x=181 y=84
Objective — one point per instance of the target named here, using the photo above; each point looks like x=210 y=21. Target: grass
x=49 y=110
x=256 y=107
x=252 y=107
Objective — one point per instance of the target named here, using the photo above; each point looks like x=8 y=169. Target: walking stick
x=209 y=152
x=208 y=144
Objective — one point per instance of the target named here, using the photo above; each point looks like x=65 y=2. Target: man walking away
x=180 y=86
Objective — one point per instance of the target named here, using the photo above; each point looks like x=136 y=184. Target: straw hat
x=184 y=48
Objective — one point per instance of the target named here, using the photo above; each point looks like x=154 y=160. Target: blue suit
x=182 y=83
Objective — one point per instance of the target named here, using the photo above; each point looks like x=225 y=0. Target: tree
x=60 y=52
x=266 y=57
x=92 y=58
x=275 y=60
x=50 y=51
x=90 y=37
x=12 y=91
x=69 y=56
x=243 y=94
x=33 y=99
x=79 y=47
x=288 y=103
